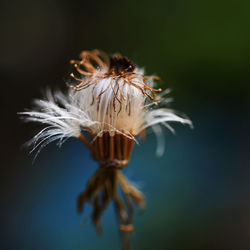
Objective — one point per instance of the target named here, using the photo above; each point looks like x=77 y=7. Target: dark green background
x=198 y=193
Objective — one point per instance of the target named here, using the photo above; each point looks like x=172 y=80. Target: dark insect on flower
x=113 y=101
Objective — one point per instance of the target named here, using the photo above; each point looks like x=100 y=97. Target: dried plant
x=114 y=102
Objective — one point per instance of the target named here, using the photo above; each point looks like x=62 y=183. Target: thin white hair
x=66 y=114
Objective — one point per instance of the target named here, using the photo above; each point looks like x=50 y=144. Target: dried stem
x=102 y=188
x=112 y=152
x=125 y=235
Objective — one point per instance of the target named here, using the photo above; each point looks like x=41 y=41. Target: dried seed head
x=112 y=97
x=114 y=91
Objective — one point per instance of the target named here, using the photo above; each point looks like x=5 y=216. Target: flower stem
x=124 y=235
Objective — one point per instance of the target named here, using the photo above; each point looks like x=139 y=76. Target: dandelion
x=113 y=102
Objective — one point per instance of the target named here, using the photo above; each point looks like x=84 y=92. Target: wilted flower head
x=113 y=101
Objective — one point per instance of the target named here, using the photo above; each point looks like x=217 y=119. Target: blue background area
x=198 y=192
x=191 y=192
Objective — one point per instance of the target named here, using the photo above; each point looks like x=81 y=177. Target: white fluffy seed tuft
x=63 y=120
x=108 y=105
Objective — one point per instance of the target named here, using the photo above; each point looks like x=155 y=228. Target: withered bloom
x=113 y=101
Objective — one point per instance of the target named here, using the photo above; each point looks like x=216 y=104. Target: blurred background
x=198 y=193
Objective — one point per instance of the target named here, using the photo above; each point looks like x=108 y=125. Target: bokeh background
x=198 y=193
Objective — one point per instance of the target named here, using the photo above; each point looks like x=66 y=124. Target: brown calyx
x=112 y=150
